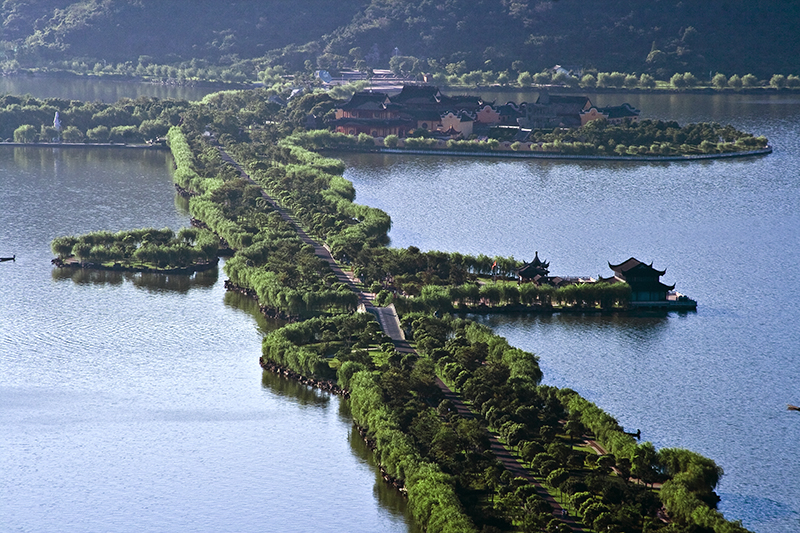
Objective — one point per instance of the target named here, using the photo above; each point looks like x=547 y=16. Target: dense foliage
x=442 y=459
x=484 y=39
x=142 y=247
x=125 y=121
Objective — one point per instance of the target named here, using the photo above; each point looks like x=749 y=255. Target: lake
x=92 y=89
x=133 y=402
x=716 y=381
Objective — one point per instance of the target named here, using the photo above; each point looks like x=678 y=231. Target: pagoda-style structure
x=536 y=271
x=643 y=279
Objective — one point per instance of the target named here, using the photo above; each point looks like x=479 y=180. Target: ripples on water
x=135 y=401
x=716 y=381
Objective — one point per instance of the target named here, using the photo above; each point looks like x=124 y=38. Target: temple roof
x=534 y=268
x=632 y=263
x=420 y=94
x=366 y=100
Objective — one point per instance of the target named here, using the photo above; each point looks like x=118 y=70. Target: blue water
x=135 y=402
x=716 y=381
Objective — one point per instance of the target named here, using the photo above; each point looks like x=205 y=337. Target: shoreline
x=137 y=146
x=555 y=156
x=118 y=267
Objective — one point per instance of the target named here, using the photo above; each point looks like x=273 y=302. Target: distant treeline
x=598 y=137
x=28 y=119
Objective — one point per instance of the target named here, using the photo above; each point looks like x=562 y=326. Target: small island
x=142 y=250
x=422 y=120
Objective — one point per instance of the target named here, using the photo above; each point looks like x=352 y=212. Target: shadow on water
x=250 y=306
x=643 y=327
x=151 y=282
x=182 y=205
x=293 y=391
x=389 y=497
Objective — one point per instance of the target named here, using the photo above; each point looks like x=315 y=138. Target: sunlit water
x=728 y=232
x=135 y=402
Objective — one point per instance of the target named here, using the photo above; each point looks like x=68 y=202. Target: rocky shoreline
x=268 y=312
x=119 y=267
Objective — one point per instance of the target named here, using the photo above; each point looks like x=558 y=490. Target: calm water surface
x=728 y=232
x=91 y=89
x=135 y=402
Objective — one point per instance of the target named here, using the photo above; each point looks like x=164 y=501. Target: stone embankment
x=268 y=312
x=510 y=154
x=322 y=384
x=119 y=267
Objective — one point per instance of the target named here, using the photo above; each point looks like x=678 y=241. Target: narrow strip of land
x=390 y=324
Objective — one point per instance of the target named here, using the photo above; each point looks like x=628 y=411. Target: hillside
x=660 y=37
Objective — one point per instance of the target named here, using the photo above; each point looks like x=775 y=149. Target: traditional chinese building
x=643 y=279
x=614 y=114
x=536 y=271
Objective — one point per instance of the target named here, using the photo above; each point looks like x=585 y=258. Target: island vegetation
x=647 y=138
x=437 y=448
x=442 y=459
x=25 y=119
x=147 y=249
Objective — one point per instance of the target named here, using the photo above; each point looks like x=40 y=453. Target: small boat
x=791 y=407
x=12 y=258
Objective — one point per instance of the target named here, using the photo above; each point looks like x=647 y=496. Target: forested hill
x=658 y=36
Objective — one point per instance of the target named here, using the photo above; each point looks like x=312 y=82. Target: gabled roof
x=418 y=93
x=633 y=263
x=366 y=100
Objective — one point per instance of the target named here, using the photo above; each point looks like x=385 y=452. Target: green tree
x=588 y=81
x=541 y=78
x=719 y=80
x=678 y=81
x=71 y=134
x=748 y=80
x=735 y=81
x=647 y=81
x=778 y=81
x=524 y=79
x=100 y=134
x=25 y=134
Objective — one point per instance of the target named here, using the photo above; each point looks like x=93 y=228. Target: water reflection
x=182 y=205
x=151 y=282
x=389 y=497
x=293 y=391
x=252 y=308
x=641 y=327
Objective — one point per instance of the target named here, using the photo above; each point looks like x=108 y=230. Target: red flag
x=494 y=265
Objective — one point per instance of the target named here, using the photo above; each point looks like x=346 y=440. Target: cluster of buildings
x=647 y=290
x=424 y=107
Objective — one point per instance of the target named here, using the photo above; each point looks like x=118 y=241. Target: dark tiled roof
x=366 y=100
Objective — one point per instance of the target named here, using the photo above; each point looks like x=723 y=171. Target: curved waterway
x=134 y=402
x=728 y=233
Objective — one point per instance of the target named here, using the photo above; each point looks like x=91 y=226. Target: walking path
x=390 y=324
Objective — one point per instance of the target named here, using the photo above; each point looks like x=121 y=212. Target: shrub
x=99 y=134
x=25 y=134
